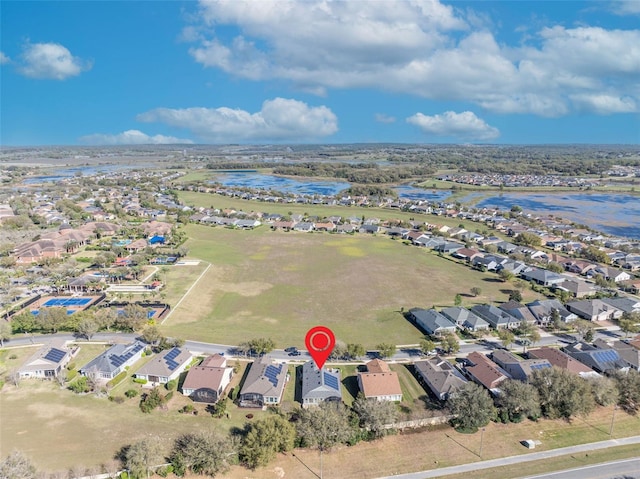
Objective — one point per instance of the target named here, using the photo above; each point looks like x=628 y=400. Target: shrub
x=116 y=399
x=71 y=366
x=140 y=380
x=80 y=385
x=13 y=356
x=115 y=381
x=171 y=385
x=168 y=396
x=71 y=374
x=131 y=393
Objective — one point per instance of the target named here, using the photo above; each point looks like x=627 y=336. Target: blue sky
x=319 y=71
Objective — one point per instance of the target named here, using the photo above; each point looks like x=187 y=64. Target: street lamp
x=613 y=415
x=481 y=440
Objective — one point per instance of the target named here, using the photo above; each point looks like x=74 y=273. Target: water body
x=416 y=194
x=616 y=213
x=60 y=174
x=281 y=184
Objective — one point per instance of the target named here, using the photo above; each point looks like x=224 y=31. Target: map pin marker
x=320 y=342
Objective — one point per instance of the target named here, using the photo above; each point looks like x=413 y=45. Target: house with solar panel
x=113 y=361
x=264 y=384
x=47 y=362
x=319 y=385
x=165 y=366
x=208 y=381
x=600 y=360
x=518 y=368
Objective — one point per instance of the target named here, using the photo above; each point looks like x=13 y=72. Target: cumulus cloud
x=382 y=118
x=625 y=7
x=463 y=126
x=279 y=119
x=422 y=48
x=51 y=61
x=4 y=58
x=131 y=137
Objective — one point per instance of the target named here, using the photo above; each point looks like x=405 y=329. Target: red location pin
x=320 y=342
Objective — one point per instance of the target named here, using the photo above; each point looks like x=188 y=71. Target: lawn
x=278 y=284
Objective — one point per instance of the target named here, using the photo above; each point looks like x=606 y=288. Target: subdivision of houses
x=440 y=376
x=379 y=382
x=497 y=318
x=208 y=381
x=319 y=385
x=562 y=360
x=543 y=311
x=264 y=384
x=165 y=367
x=465 y=319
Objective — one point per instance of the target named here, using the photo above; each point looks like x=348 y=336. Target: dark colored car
x=290 y=349
x=294 y=353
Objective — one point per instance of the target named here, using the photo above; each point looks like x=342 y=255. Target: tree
x=386 y=350
x=24 y=323
x=506 y=275
x=450 y=343
x=555 y=267
x=475 y=291
x=628 y=390
x=87 y=327
x=506 y=336
x=472 y=407
x=562 y=393
x=324 y=426
x=515 y=295
x=264 y=439
x=528 y=239
x=518 y=400
x=604 y=390
x=630 y=323
x=426 y=346
x=151 y=400
x=203 y=452
x=132 y=318
x=593 y=253
x=585 y=329
x=151 y=334
x=374 y=414
x=17 y=465
x=355 y=350
x=261 y=346
x=5 y=331
x=139 y=456
x=457 y=300
x=52 y=319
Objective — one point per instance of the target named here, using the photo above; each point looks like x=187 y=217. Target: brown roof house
x=562 y=360
x=47 y=362
x=485 y=372
x=379 y=382
x=208 y=381
x=264 y=384
x=518 y=368
x=440 y=376
x=165 y=367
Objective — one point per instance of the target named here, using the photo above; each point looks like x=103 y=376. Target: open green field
x=278 y=284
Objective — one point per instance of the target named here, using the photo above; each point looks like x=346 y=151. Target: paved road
x=534 y=456
x=626 y=468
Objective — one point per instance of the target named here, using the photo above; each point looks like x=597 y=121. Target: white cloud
x=419 y=47
x=383 y=118
x=279 y=119
x=51 y=61
x=463 y=126
x=4 y=58
x=131 y=137
x=625 y=7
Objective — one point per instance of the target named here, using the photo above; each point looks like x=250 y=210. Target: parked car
x=290 y=349
x=294 y=353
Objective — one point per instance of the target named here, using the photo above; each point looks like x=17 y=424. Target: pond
x=616 y=213
x=278 y=183
x=60 y=174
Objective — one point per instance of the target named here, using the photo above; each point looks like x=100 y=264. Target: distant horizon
x=337 y=72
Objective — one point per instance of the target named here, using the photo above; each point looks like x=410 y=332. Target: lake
x=60 y=174
x=616 y=213
x=278 y=183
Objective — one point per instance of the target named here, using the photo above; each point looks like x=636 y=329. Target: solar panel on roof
x=539 y=366
x=171 y=364
x=173 y=354
x=331 y=381
x=55 y=355
x=271 y=373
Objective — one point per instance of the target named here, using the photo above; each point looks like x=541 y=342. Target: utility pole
x=481 y=440
x=613 y=415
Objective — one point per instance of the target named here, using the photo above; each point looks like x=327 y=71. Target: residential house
x=514 y=267
x=153 y=228
x=113 y=361
x=431 y=321
x=448 y=247
x=496 y=317
x=625 y=304
x=264 y=384
x=543 y=311
x=208 y=381
x=489 y=263
x=519 y=369
x=485 y=372
x=578 y=288
x=465 y=319
x=519 y=311
x=594 y=310
x=319 y=385
x=165 y=367
x=47 y=362
x=626 y=351
x=440 y=376
x=543 y=277
x=379 y=382
x=562 y=360
x=467 y=254
x=612 y=274
x=600 y=360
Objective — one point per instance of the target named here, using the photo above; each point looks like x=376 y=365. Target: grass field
x=265 y=283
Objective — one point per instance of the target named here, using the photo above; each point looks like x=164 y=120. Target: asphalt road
x=626 y=468
x=533 y=456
